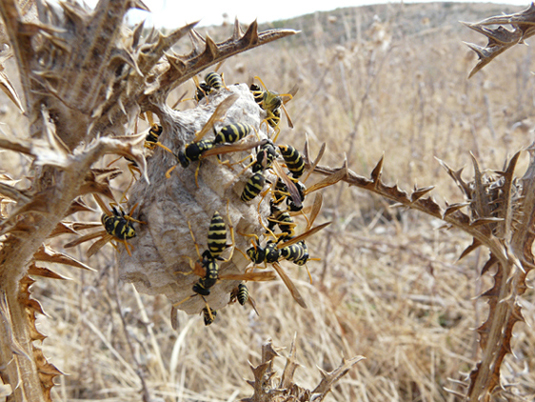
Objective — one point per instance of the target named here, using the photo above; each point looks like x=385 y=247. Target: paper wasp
x=212 y=81
x=241 y=294
x=272 y=102
x=209 y=315
x=118 y=226
x=193 y=150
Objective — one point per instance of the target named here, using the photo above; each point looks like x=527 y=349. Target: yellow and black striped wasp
x=118 y=226
x=241 y=294
x=209 y=315
x=212 y=81
x=272 y=102
x=193 y=150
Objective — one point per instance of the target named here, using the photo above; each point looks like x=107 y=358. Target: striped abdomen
x=295 y=252
x=294 y=160
x=217 y=235
x=214 y=80
x=253 y=187
x=232 y=133
x=209 y=316
x=243 y=294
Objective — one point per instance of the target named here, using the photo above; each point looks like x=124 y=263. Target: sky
x=175 y=13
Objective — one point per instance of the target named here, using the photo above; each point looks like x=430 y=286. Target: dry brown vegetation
x=389 y=286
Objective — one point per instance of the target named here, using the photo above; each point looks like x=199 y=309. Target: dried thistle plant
x=85 y=78
x=501 y=210
x=269 y=387
x=501 y=38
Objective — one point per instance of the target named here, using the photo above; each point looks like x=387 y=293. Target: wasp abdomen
x=209 y=316
x=294 y=160
x=243 y=294
x=217 y=235
x=253 y=187
x=232 y=133
x=214 y=80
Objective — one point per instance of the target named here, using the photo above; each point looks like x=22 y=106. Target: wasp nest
x=163 y=250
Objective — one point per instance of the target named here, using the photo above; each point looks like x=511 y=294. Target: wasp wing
x=303 y=236
x=102 y=205
x=226 y=149
x=328 y=181
x=84 y=238
x=96 y=246
x=316 y=208
x=218 y=114
x=290 y=285
x=294 y=193
x=251 y=276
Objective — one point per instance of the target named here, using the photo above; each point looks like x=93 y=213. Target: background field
x=381 y=80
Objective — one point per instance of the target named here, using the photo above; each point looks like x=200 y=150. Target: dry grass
x=389 y=286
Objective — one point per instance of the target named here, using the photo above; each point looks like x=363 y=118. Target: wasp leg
x=231 y=228
x=184 y=300
x=168 y=173
x=277 y=131
x=197 y=174
x=126 y=245
x=194 y=241
x=268 y=230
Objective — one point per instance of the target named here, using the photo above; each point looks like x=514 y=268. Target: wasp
x=241 y=294
x=209 y=315
x=272 y=102
x=193 y=150
x=117 y=226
